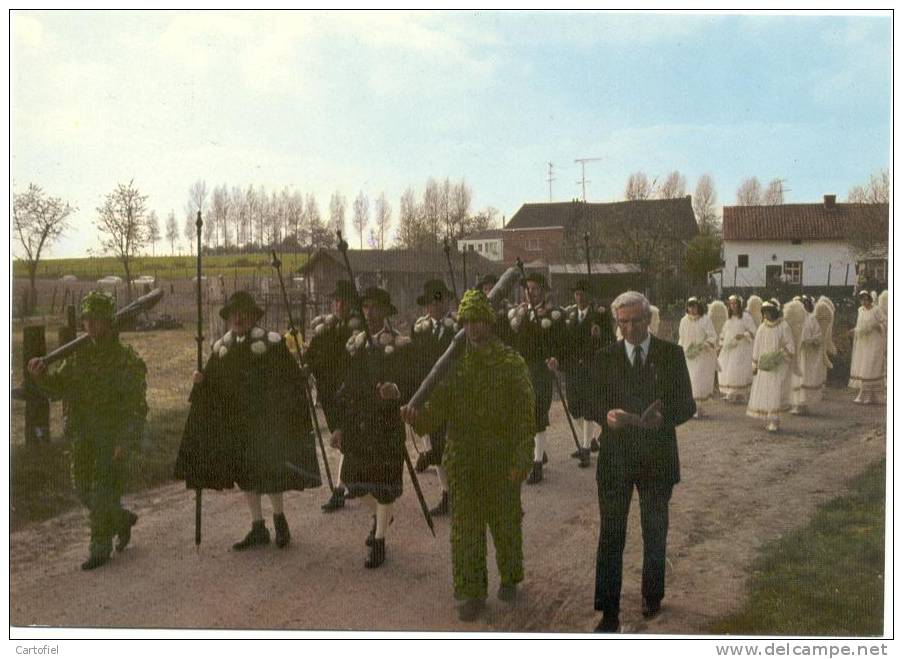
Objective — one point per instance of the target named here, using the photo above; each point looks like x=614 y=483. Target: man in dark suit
x=644 y=393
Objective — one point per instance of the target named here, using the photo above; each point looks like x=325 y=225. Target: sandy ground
x=741 y=488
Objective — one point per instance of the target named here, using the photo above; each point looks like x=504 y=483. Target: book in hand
x=652 y=414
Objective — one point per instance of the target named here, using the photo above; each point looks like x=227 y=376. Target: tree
x=749 y=193
x=189 y=230
x=38 y=220
x=410 y=225
x=704 y=205
x=337 y=212
x=320 y=235
x=461 y=221
x=361 y=215
x=122 y=221
x=774 y=193
x=877 y=191
x=638 y=187
x=153 y=231
x=383 y=220
x=703 y=255
x=172 y=231
x=673 y=187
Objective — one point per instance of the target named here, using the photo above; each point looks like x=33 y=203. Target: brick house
x=812 y=247
x=485 y=243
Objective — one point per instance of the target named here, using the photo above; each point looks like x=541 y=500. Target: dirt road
x=741 y=487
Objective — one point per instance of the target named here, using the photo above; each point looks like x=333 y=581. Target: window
x=794 y=271
x=470 y=247
x=480 y=247
x=742 y=260
x=533 y=245
x=873 y=268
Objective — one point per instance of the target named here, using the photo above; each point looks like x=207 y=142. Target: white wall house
x=487 y=244
x=803 y=244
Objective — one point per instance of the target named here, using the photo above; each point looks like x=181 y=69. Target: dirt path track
x=741 y=488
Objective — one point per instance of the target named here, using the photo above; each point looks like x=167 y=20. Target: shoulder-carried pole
x=276 y=263
x=343 y=248
x=451 y=270
x=198 y=492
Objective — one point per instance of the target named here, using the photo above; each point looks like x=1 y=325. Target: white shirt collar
x=628 y=347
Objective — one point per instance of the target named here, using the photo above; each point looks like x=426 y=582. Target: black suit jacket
x=632 y=453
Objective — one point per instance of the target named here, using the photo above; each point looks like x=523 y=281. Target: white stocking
x=276 y=502
x=443 y=478
x=539 y=445
x=253 y=499
x=383 y=516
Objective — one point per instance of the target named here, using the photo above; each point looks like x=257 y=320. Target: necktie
x=637 y=358
x=437 y=328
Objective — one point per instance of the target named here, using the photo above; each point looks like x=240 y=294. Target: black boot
x=124 y=535
x=283 y=537
x=95 y=561
x=442 y=508
x=584 y=458
x=424 y=460
x=336 y=501
x=258 y=535
x=377 y=553
x=536 y=474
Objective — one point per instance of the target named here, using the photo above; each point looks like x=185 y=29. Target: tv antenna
x=551 y=178
x=582 y=180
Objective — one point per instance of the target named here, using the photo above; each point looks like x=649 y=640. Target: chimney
x=830 y=200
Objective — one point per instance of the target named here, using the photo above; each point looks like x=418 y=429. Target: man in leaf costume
x=103 y=386
x=487 y=403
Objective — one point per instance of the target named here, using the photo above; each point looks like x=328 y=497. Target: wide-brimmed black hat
x=580 y=285
x=380 y=296
x=240 y=301
x=536 y=277
x=433 y=290
x=488 y=278
x=343 y=290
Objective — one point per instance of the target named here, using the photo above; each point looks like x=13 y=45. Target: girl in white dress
x=867 y=365
x=772 y=356
x=697 y=337
x=735 y=359
x=807 y=387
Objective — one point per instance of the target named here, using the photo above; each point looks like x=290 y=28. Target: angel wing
x=754 y=307
x=884 y=301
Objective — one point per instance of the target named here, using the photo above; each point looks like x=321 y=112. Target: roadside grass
x=163 y=267
x=40 y=476
x=826 y=579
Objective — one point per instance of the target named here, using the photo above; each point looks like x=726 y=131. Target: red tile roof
x=804 y=221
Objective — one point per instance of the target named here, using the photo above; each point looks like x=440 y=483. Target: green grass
x=826 y=579
x=41 y=484
x=164 y=267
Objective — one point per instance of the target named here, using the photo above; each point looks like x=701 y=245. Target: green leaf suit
x=487 y=403
x=103 y=386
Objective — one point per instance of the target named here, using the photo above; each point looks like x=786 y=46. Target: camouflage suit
x=487 y=403
x=103 y=388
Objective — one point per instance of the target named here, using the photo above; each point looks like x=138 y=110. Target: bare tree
x=750 y=192
x=774 y=193
x=461 y=196
x=294 y=213
x=337 y=206
x=431 y=210
x=38 y=220
x=239 y=214
x=220 y=206
x=121 y=219
x=704 y=205
x=320 y=235
x=877 y=191
x=197 y=196
x=172 y=231
x=673 y=187
x=153 y=231
x=382 y=219
x=410 y=224
x=189 y=230
x=361 y=215
x=638 y=187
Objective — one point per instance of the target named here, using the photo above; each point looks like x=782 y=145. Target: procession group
x=252 y=421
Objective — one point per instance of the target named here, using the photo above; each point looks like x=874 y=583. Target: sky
x=377 y=102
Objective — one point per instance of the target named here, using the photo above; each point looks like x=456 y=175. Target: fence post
x=37 y=407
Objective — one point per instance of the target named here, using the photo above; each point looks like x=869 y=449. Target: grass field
x=826 y=579
x=162 y=267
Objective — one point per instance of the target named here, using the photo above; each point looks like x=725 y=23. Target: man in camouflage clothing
x=103 y=385
x=487 y=403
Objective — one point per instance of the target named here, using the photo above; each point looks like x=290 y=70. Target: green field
x=163 y=267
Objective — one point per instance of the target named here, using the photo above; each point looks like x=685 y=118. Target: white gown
x=735 y=359
x=697 y=337
x=867 y=366
x=807 y=388
x=770 y=394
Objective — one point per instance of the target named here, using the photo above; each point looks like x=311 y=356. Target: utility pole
x=551 y=178
x=582 y=180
